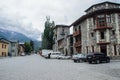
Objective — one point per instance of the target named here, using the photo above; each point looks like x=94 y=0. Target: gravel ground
x=34 y=67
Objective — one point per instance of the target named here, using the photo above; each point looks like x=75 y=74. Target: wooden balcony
x=76 y=33
x=77 y=44
x=102 y=28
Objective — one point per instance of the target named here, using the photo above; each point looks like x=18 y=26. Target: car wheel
x=75 y=61
x=79 y=60
x=90 y=62
x=85 y=60
x=97 y=61
x=108 y=60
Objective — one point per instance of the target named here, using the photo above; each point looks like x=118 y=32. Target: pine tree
x=28 y=48
x=32 y=45
x=47 y=37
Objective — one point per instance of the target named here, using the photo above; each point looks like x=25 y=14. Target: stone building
x=98 y=30
x=21 y=48
x=70 y=45
x=60 y=34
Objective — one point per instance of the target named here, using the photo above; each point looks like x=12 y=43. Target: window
x=108 y=18
x=102 y=35
x=79 y=27
x=101 y=20
x=94 y=20
x=13 y=51
x=63 y=29
x=3 y=53
x=87 y=48
x=13 y=45
x=115 y=52
x=92 y=34
x=62 y=33
x=113 y=32
x=4 y=46
x=92 y=48
x=119 y=17
x=75 y=29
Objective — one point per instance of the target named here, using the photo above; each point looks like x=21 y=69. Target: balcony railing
x=76 y=33
x=77 y=44
x=102 y=28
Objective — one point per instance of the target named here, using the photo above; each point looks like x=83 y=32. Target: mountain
x=12 y=35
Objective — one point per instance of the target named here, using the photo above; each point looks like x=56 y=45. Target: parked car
x=46 y=55
x=54 y=55
x=62 y=56
x=97 y=57
x=22 y=54
x=79 y=57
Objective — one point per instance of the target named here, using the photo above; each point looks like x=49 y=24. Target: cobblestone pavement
x=35 y=67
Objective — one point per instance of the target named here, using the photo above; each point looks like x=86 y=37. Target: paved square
x=34 y=67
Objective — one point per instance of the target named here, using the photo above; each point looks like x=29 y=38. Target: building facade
x=21 y=48
x=70 y=45
x=3 y=48
x=13 y=48
x=98 y=30
x=60 y=38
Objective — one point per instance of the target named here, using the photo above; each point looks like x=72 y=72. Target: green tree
x=47 y=37
x=32 y=45
x=28 y=47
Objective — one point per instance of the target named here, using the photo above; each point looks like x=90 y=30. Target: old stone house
x=60 y=38
x=98 y=30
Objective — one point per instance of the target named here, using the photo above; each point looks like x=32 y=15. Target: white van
x=54 y=55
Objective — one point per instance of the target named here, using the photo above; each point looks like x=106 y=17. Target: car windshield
x=83 y=55
x=56 y=54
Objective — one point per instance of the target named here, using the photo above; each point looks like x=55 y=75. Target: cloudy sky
x=28 y=16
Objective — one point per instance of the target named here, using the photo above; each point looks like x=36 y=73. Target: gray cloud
x=28 y=16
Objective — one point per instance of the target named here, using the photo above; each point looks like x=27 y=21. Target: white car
x=54 y=55
x=79 y=57
x=62 y=56
x=22 y=54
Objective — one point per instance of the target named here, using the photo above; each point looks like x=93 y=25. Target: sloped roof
x=4 y=40
x=96 y=12
x=61 y=26
x=101 y=4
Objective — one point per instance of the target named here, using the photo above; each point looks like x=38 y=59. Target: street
x=35 y=67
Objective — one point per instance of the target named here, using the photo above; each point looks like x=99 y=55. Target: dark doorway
x=66 y=52
x=78 y=49
x=92 y=48
x=115 y=52
x=71 y=51
x=103 y=49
